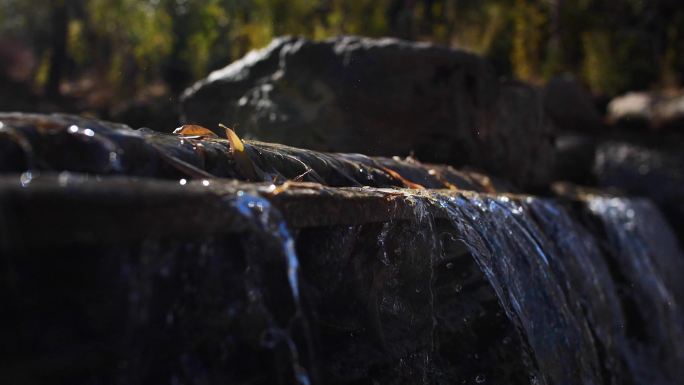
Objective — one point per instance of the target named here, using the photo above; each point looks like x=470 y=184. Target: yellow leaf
x=243 y=164
x=235 y=141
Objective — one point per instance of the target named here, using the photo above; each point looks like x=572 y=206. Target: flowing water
x=453 y=287
x=267 y=223
x=648 y=265
x=517 y=261
x=572 y=294
x=460 y=288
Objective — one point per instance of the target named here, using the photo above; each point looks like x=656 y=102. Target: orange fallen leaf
x=403 y=180
x=194 y=130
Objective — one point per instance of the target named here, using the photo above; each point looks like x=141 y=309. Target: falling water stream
x=573 y=300
x=266 y=222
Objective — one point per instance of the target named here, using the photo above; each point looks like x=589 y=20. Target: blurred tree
x=613 y=45
x=529 y=33
x=59 y=19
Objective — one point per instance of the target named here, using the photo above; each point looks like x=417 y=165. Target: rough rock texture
x=654 y=110
x=570 y=105
x=380 y=97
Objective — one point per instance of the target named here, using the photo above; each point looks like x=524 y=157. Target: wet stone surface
x=111 y=272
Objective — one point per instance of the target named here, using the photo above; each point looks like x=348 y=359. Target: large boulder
x=570 y=105
x=380 y=97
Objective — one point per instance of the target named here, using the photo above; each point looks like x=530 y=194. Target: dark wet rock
x=648 y=110
x=570 y=105
x=161 y=264
x=380 y=97
x=575 y=156
x=36 y=143
x=644 y=170
x=641 y=170
x=208 y=282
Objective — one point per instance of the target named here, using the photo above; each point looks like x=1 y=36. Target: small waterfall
x=646 y=260
x=581 y=269
x=557 y=283
x=449 y=287
x=369 y=284
x=268 y=226
x=506 y=243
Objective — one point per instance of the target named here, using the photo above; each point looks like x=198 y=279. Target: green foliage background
x=612 y=45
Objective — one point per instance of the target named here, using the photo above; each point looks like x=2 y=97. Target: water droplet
x=113 y=158
x=63 y=179
x=26 y=178
x=183 y=182
x=480 y=378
